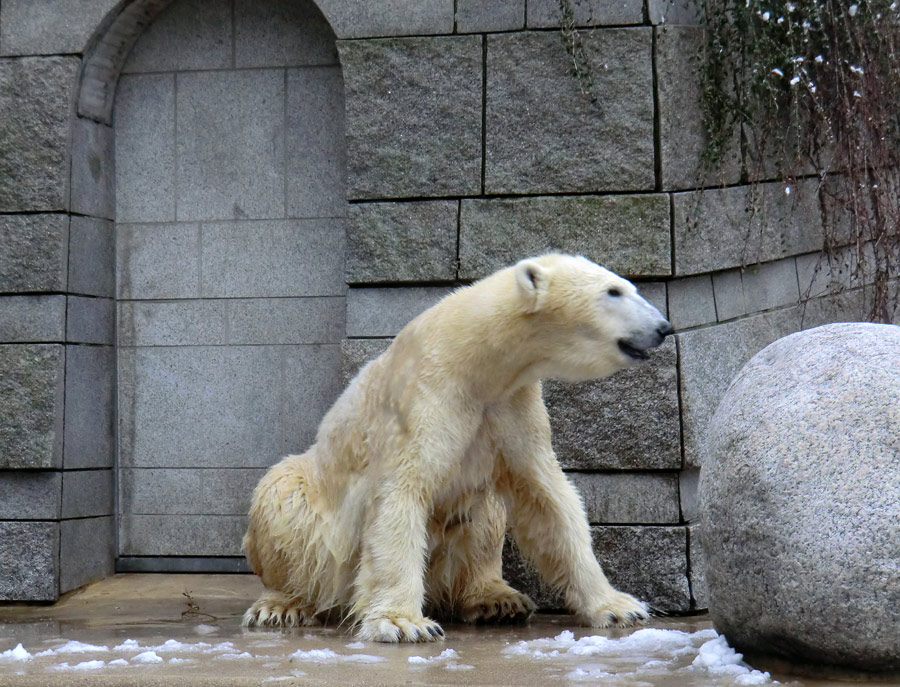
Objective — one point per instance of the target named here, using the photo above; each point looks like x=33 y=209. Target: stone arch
x=230 y=299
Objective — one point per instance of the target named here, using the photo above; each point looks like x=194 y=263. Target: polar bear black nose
x=664 y=329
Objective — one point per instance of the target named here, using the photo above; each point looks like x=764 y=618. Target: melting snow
x=329 y=656
x=644 y=653
x=233 y=656
x=127 y=645
x=85 y=665
x=74 y=647
x=148 y=657
x=204 y=629
x=118 y=662
x=17 y=654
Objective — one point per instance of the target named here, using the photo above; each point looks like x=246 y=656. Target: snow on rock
x=329 y=656
x=148 y=657
x=17 y=654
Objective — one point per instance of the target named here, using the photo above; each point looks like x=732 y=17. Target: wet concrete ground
x=199 y=617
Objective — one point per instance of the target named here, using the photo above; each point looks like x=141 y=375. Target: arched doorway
x=230 y=201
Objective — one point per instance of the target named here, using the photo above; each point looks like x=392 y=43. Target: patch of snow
x=148 y=657
x=355 y=645
x=453 y=665
x=219 y=648
x=118 y=662
x=84 y=665
x=717 y=658
x=235 y=656
x=178 y=661
x=18 y=653
x=329 y=656
x=127 y=645
x=205 y=629
x=75 y=647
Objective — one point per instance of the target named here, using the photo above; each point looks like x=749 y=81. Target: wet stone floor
x=185 y=630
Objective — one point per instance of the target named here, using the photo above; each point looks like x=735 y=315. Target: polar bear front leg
x=390 y=586
x=548 y=518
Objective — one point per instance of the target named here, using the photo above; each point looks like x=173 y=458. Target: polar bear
x=435 y=449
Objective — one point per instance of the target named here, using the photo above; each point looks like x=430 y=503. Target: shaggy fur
x=435 y=449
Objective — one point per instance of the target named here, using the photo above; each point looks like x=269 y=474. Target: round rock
x=800 y=500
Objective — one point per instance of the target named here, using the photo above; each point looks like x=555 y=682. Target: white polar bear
x=435 y=448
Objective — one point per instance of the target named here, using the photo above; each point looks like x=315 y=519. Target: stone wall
x=136 y=244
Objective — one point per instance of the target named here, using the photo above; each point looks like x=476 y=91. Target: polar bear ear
x=533 y=283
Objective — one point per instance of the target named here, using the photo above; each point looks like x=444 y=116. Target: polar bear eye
x=614 y=292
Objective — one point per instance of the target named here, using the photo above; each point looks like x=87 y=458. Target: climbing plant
x=813 y=88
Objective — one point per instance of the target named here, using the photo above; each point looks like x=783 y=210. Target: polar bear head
x=589 y=321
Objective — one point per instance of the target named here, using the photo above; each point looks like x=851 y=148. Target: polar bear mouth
x=632 y=351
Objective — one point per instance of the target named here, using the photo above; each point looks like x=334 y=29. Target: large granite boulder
x=800 y=500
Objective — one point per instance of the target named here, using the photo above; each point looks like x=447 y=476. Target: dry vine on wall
x=812 y=86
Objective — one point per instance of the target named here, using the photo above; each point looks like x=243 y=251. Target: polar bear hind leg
x=286 y=549
x=465 y=579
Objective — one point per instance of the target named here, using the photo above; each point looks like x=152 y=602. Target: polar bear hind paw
x=502 y=606
x=278 y=611
x=393 y=629
x=620 y=610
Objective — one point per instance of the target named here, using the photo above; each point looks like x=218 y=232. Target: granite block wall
x=213 y=213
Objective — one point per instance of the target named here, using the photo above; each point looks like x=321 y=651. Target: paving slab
x=187 y=627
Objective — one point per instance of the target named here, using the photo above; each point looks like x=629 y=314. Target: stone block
x=34 y=252
x=697 y=560
x=711 y=357
x=628 y=234
x=655 y=293
x=820 y=274
x=90 y=393
x=29 y=559
x=87 y=493
x=384 y=312
x=682 y=134
x=87 y=551
x=273 y=259
x=355 y=353
x=543 y=135
x=91 y=320
x=35 y=109
x=388 y=17
x=316 y=183
x=93 y=169
x=729 y=291
x=281 y=33
x=413 y=115
x=688 y=485
x=717 y=229
x=152 y=491
x=187 y=35
x=691 y=301
x=32 y=378
x=230 y=155
x=312 y=383
x=158 y=261
x=544 y=14
x=479 y=16
x=51 y=27
x=221 y=322
x=770 y=285
x=628 y=421
x=684 y=12
x=145 y=148
x=613 y=499
x=221 y=406
x=181 y=535
x=30 y=319
x=402 y=241
x=649 y=562
x=173 y=323
x=286 y=320
x=92 y=257
x=29 y=495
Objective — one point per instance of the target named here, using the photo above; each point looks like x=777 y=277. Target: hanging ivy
x=813 y=87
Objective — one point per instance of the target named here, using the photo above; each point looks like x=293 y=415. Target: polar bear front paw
x=618 y=610
x=397 y=629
